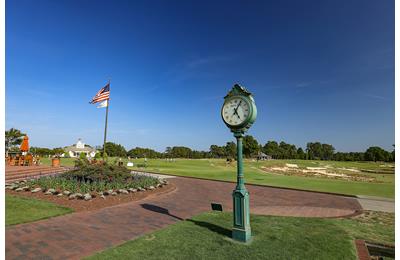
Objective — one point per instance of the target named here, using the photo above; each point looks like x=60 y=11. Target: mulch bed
x=98 y=202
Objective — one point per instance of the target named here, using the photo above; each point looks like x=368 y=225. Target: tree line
x=251 y=148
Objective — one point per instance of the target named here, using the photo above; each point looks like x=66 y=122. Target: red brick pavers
x=14 y=173
x=362 y=250
x=81 y=234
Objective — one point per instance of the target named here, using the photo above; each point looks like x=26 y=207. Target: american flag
x=103 y=94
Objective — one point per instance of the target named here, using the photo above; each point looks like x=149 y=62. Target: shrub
x=82 y=156
x=94 y=177
x=88 y=177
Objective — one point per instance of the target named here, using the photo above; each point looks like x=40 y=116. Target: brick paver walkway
x=81 y=234
x=14 y=173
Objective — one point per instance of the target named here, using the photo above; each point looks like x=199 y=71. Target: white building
x=78 y=148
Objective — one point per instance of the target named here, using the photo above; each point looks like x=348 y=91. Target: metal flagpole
x=105 y=128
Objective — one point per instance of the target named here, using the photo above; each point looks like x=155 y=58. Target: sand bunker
x=293 y=169
x=349 y=169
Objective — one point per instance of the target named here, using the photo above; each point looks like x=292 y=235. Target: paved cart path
x=81 y=234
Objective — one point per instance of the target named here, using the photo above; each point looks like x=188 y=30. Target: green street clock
x=239 y=112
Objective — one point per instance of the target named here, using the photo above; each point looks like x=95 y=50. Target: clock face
x=235 y=111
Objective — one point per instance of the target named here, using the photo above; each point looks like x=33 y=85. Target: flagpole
x=105 y=128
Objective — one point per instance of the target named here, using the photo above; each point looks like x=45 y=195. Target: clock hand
x=238 y=105
x=235 y=112
x=235 y=109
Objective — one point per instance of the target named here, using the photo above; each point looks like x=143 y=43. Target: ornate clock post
x=239 y=112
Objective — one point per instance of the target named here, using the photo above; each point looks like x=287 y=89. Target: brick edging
x=259 y=185
x=362 y=250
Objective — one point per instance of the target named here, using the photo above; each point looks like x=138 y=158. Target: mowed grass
x=207 y=236
x=22 y=210
x=218 y=169
x=63 y=161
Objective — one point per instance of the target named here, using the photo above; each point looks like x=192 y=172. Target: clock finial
x=238 y=90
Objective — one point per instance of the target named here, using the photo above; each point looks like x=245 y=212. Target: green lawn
x=64 y=161
x=217 y=169
x=22 y=210
x=207 y=236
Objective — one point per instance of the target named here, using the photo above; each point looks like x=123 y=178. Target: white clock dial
x=235 y=111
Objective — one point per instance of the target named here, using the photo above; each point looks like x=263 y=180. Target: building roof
x=79 y=147
x=74 y=149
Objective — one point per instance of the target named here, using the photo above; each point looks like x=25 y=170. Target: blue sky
x=319 y=70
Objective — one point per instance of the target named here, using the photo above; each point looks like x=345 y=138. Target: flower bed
x=88 y=181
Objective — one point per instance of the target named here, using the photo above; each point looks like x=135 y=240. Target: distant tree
x=97 y=155
x=144 y=152
x=217 y=151
x=301 y=154
x=250 y=146
x=287 y=151
x=271 y=148
x=66 y=154
x=82 y=156
x=327 y=152
x=181 y=152
x=13 y=137
x=199 y=154
x=393 y=155
x=41 y=151
x=314 y=151
x=58 y=151
x=168 y=151
x=230 y=150
x=376 y=153
x=115 y=150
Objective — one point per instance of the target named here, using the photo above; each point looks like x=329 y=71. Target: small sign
x=129 y=164
x=216 y=206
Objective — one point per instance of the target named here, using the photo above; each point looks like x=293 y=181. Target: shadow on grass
x=158 y=209
x=214 y=228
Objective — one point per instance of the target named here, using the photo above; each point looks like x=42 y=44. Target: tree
x=168 y=151
x=217 y=151
x=314 y=151
x=199 y=154
x=58 y=151
x=181 y=151
x=115 y=150
x=13 y=137
x=250 y=146
x=376 y=153
x=301 y=154
x=144 y=152
x=327 y=152
x=287 y=151
x=41 y=151
x=393 y=154
x=230 y=150
x=271 y=148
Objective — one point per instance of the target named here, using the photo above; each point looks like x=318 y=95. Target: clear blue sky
x=319 y=70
